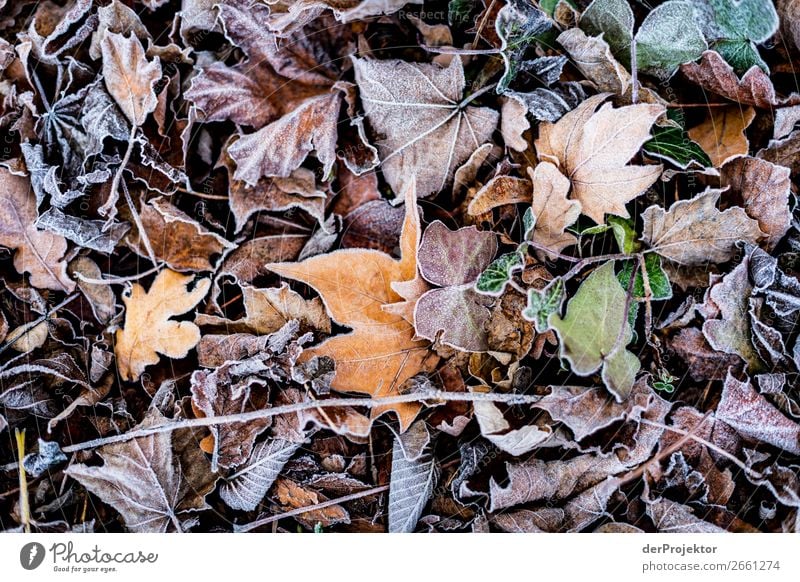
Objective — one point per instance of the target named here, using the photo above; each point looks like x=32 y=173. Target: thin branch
x=114 y=194
x=301 y=510
x=119 y=280
x=139 y=226
x=29 y=326
x=433 y=395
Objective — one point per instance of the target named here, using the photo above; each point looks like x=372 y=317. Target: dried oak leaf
x=356 y=285
x=589 y=332
x=763 y=188
x=154 y=481
x=38 y=252
x=552 y=211
x=592 y=148
x=291 y=495
x=177 y=239
x=148 y=330
x=722 y=134
x=453 y=260
x=130 y=78
x=424 y=127
x=694 y=232
x=753 y=417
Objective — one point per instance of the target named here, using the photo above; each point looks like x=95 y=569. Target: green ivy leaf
x=518 y=24
x=528 y=223
x=495 y=278
x=543 y=303
x=623 y=231
x=667 y=38
x=740 y=54
x=674 y=145
x=588 y=333
x=660 y=286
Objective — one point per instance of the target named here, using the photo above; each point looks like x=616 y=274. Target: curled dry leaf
x=148 y=329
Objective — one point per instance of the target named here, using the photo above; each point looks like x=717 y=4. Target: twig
x=582 y=263
x=114 y=194
x=648 y=307
x=509 y=399
x=139 y=226
x=29 y=326
x=634 y=74
x=482 y=24
x=301 y=510
x=707 y=444
x=118 y=280
x=202 y=194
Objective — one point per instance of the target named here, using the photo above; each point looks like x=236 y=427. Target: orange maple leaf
x=356 y=286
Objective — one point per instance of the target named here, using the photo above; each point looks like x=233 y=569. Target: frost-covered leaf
x=245 y=489
x=454 y=257
x=551 y=210
x=592 y=149
x=753 y=417
x=154 y=482
x=660 y=288
x=410 y=487
x=130 y=78
x=593 y=57
x=589 y=332
x=49 y=456
x=671 y=517
x=722 y=134
x=714 y=74
x=518 y=24
x=543 y=303
x=494 y=280
x=694 y=232
x=427 y=131
x=674 y=145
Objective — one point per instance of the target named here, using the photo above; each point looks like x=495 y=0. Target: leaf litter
x=509 y=266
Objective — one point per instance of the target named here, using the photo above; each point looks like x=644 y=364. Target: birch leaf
x=130 y=78
x=426 y=130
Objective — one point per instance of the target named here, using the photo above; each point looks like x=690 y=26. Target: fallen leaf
x=592 y=149
x=590 y=330
x=355 y=285
x=722 y=134
x=130 y=78
x=148 y=330
x=671 y=517
x=552 y=211
x=38 y=252
x=499 y=191
x=411 y=484
x=149 y=480
x=694 y=232
x=291 y=496
x=427 y=130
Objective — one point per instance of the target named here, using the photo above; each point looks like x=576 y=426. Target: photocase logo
x=31 y=555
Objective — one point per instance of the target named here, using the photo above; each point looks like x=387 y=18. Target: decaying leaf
x=129 y=76
x=411 y=483
x=722 y=135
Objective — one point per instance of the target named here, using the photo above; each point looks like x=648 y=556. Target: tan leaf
x=514 y=123
x=177 y=239
x=279 y=148
x=695 y=232
x=551 y=209
x=722 y=135
x=129 y=76
x=268 y=310
x=592 y=149
x=499 y=191
x=152 y=481
x=426 y=131
x=764 y=191
x=293 y=496
x=592 y=56
x=355 y=285
x=148 y=330
x=38 y=252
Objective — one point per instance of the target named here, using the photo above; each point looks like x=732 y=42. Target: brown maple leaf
x=592 y=148
x=148 y=330
x=356 y=285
